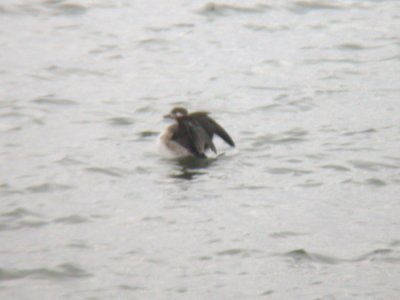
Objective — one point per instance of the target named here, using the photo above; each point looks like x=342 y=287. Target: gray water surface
x=306 y=206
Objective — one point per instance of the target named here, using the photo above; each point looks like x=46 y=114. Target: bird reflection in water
x=192 y=167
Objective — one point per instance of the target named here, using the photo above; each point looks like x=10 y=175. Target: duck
x=191 y=134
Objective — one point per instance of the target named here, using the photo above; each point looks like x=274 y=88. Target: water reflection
x=192 y=167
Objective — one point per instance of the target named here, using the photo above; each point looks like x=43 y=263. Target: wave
x=379 y=255
x=61 y=272
x=221 y=9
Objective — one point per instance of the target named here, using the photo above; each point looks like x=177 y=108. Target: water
x=307 y=205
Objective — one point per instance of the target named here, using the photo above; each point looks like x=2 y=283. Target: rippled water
x=306 y=207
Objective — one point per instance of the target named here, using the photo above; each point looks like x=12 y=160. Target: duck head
x=176 y=113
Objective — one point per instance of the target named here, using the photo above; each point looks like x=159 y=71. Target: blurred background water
x=306 y=207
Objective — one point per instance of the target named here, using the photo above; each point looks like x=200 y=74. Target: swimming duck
x=191 y=134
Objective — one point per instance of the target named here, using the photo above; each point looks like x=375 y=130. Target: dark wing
x=193 y=137
x=211 y=126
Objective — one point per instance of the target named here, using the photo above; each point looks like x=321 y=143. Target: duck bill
x=168 y=116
